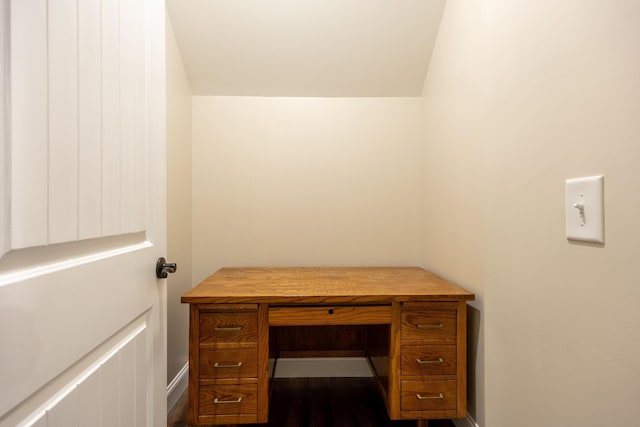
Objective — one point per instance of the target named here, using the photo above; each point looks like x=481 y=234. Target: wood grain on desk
x=331 y=285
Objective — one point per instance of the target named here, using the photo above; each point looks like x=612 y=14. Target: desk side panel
x=393 y=396
x=462 y=360
x=194 y=363
x=263 y=363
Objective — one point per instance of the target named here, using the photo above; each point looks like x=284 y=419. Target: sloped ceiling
x=331 y=48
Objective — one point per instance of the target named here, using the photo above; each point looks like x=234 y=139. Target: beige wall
x=178 y=205
x=306 y=181
x=519 y=97
x=454 y=181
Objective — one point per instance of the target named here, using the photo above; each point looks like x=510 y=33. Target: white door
x=82 y=213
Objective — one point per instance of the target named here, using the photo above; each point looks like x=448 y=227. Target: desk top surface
x=318 y=285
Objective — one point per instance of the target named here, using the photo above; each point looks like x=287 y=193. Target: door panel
x=104 y=393
x=28 y=123
x=89 y=400
x=89 y=120
x=82 y=334
x=111 y=118
x=62 y=144
x=50 y=165
x=65 y=412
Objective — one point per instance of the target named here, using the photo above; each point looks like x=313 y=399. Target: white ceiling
x=306 y=47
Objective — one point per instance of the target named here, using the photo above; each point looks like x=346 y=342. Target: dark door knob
x=163 y=268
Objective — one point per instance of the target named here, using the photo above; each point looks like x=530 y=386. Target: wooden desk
x=415 y=336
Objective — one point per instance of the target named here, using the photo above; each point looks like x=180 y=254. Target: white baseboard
x=177 y=386
x=466 y=422
x=319 y=367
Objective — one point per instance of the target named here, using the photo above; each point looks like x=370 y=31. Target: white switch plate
x=585 y=209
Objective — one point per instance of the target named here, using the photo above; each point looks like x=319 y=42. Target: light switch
x=585 y=209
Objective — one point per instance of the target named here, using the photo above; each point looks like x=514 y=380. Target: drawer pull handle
x=221 y=402
x=438 y=396
x=430 y=362
x=228 y=328
x=430 y=326
x=227 y=365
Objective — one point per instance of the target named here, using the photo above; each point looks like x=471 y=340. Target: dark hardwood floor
x=320 y=402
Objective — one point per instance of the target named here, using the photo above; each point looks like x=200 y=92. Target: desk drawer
x=428 y=395
x=330 y=315
x=429 y=326
x=228 y=364
x=236 y=400
x=429 y=360
x=222 y=327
